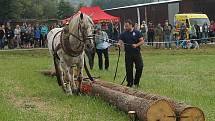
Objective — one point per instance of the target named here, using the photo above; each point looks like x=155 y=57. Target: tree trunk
x=146 y=110
x=184 y=112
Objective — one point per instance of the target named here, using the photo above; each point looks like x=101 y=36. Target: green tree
x=49 y=8
x=64 y=10
x=40 y=9
x=79 y=6
x=28 y=9
x=10 y=9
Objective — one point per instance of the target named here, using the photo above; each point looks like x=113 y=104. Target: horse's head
x=85 y=27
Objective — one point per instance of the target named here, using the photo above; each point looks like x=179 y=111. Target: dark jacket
x=9 y=33
x=1 y=34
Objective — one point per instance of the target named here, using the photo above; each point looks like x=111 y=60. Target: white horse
x=67 y=46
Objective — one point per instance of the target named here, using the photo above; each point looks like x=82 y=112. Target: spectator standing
x=193 y=34
x=30 y=36
x=158 y=35
x=183 y=31
x=37 y=36
x=4 y=37
x=205 y=31
x=198 y=32
x=137 y=27
x=151 y=33
x=167 y=35
x=44 y=32
x=144 y=30
x=102 y=45
x=2 y=33
x=10 y=37
x=212 y=30
x=24 y=39
x=17 y=36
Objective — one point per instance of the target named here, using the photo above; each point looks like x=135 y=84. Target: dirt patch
x=25 y=103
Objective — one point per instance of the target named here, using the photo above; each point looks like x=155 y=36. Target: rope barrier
x=115 y=41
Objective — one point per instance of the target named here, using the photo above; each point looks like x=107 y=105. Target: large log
x=183 y=111
x=146 y=110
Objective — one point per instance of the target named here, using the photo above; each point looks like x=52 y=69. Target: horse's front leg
x=72 y=81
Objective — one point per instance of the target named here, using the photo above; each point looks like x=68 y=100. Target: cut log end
x=192 y=114
x=161 y=111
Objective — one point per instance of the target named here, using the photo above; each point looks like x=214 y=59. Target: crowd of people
x=32 y=36
x=167 y=34
x=24 y=36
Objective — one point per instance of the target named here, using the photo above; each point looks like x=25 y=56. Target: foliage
x=10 y=9
x=34 y=9
x=79 y=6
x=65 y=10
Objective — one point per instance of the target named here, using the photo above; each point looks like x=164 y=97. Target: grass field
x=26 y=95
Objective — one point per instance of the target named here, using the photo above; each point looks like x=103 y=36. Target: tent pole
x=146 y=19
x=138 y=17
x=120 y=27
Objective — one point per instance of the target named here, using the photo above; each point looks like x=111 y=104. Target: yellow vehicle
x=190 y=19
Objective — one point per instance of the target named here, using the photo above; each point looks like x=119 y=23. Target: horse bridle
x=75 y=53
x=85 y=38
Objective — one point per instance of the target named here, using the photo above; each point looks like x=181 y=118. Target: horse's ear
x=81 y=16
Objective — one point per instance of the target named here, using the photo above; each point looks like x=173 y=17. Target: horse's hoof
x=64 y=90
x=69 y=94
x=76 y=91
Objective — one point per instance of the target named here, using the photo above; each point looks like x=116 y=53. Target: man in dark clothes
x=1 y=38
x=151 y=33
x=132 y=40
x=10 y=35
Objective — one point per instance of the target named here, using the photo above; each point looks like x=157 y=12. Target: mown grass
x=25 y=94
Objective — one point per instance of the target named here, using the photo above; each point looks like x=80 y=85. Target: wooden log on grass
x=183 y=111
x=146 y=110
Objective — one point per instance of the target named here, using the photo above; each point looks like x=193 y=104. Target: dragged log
x=183 y=111
x=116 y=94
x=146 y=110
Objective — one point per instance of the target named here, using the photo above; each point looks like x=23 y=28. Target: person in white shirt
x=101 y=40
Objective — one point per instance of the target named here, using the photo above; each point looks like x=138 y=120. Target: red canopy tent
x=97 y=14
